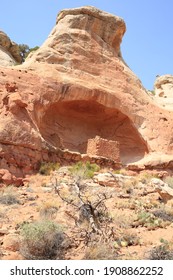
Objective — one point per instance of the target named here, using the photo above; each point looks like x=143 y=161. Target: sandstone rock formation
x=165 y=192
x=9 y=51
x=74 y=87
x=112 y=180
x=5 y=58
x=163 y=88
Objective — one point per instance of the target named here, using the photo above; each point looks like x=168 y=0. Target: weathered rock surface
x=74 y=87
x=9 y=51
x=165 y=192
x=11 y=242
x=5 y=58
x=163 y=88
x=153 y=160
x=112 y=180
x=105 y=179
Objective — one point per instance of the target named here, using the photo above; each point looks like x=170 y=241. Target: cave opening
x=69 y=125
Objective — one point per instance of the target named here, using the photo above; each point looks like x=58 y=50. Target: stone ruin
x=104 y=148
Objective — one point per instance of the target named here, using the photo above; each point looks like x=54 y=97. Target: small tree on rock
x=24 y=49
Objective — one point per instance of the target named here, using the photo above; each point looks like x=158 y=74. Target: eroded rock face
x=163 y=88
x=83 y=50
x=5 y=58
x=9 y=51
x=74 y=87
x=165 y=192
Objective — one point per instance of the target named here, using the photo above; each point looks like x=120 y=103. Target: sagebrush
x=43 y=240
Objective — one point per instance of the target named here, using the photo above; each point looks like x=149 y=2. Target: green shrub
x=42 y=240
x=84 y=170
x=25 y=50
x=47 y=167
x=31 y=50
x=148 y=220
x=152 y=92
x=118 y=171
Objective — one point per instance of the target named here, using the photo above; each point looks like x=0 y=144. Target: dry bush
x=9 y=196
x=121 y=171
x=131 y=183
x=101 y=252
x=47 y=167
x=48 y=210
x=2 y=213
x=43 y=240
x=123 y=204
x=164 y=214
x=162 y=252
x=123 y=220
x=145 y=177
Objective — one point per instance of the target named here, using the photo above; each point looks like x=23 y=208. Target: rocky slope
x=134 y=216
x=74 y=87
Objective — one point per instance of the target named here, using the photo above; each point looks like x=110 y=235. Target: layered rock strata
x=163 y=90
x=74 y=87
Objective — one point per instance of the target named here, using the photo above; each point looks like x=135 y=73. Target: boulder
x=5 y=41
x=9 y=51
x=105 y=179
x=11 y=242
x=165 y=192
x=5 y=58
x=163 y=89
x=112 y=180
x=7 y=178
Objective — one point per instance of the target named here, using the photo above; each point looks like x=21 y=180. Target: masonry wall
x=104 y=148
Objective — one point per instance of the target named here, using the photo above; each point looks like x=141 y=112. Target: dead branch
x=114 y=176
x=102 y=199
x=70 y=202
x=87 y=211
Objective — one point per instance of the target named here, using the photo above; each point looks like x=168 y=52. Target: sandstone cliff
x=74 y=87
x=163 y=88
x=9 y=51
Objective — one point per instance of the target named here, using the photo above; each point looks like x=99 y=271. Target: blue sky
x=147 y=44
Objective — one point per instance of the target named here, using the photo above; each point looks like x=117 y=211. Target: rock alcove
x=69 y=125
